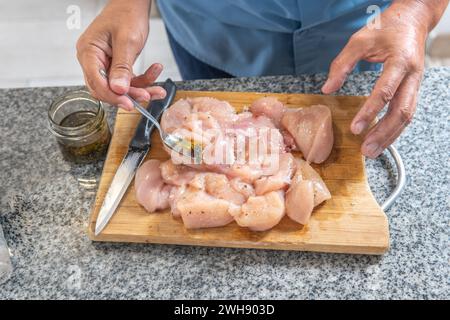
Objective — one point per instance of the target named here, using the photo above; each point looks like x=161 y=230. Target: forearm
x=133 y=3
x=133 y=6
x=427 y=12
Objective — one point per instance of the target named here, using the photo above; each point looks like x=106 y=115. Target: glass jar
x=78 y=121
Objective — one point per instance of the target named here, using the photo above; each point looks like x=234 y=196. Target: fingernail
x=122 y=106
x=157 y=97
x=160 y=95
x=144 y=97
x=163 y=94
x=372 y=149
x=326 y=86
x=120 y=82
x=141 y=101
x=157 y=69
x=359 y=127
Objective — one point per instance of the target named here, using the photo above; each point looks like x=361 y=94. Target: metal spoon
x=173 y=142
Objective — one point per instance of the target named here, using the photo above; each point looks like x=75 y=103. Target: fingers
x=148 y=77
x=139 y=94
x=399 y=115
x=157 y=92
x=124 y=52
x=92 y=60
x=383 y=92
x=342 y=65
x=152 y=93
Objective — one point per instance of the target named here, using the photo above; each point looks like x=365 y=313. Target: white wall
x=38 y=49
x=444 y=24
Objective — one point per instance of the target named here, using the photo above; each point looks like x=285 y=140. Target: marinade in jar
x=79 y=123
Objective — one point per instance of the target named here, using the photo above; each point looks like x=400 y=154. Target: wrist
x=424 y=13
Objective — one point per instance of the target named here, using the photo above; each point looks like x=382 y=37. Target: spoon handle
x=138 y=107
x=145 y=113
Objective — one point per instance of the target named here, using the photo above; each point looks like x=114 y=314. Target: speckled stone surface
x=44 y=212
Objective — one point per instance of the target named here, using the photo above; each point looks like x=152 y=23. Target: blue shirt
x=267 y=37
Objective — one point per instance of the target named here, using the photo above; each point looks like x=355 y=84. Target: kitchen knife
x=137 y=150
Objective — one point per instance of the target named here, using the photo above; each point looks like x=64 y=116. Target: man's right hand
x=112 y=42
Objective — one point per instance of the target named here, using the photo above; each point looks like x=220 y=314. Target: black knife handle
x=141 y=138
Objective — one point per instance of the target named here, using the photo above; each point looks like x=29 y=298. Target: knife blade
x=137 y=150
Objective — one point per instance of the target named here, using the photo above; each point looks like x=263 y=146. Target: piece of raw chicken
x=281 y=179
x=306 y=172
x=175 y=116
x=300 y=201
x=307 y=190
x=201 y=210
x=189 y=191
x=176 y=175
x=312 y=129
x=262 y=213
x=151 y=192
x=270 y=107
x=273 y=109
x=220 y=110
x=210 y=200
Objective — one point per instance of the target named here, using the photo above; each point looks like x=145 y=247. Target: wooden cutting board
x=351 y=222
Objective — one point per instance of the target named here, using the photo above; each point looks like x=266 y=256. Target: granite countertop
x=44 y=212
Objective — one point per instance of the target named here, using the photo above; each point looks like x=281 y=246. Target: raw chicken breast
x=312 y=130
x=151 y=192
x=307 y=190
x=202 y=121
x=175 y=116
x=220 y=152
x=245 y=172
x=174 y=195
x=306 y=172
x=279 y=180
x=219 y=186
x=198 y=182
x=201 y=210
x=270 y=107
x=176 y=175
x=261 y=213
x=288 y=140
x=220 y=110
x=300 y=201
x=210 y=200
x=252 y=122
x=263 y=143
x=242 y=187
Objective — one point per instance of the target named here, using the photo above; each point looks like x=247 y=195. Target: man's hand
x=112 y=42
x=400 y=44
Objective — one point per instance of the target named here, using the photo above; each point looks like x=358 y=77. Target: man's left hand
x=399 y=43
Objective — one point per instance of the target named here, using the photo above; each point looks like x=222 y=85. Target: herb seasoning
x=78 y=121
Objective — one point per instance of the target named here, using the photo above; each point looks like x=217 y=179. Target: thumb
x=121 y=70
